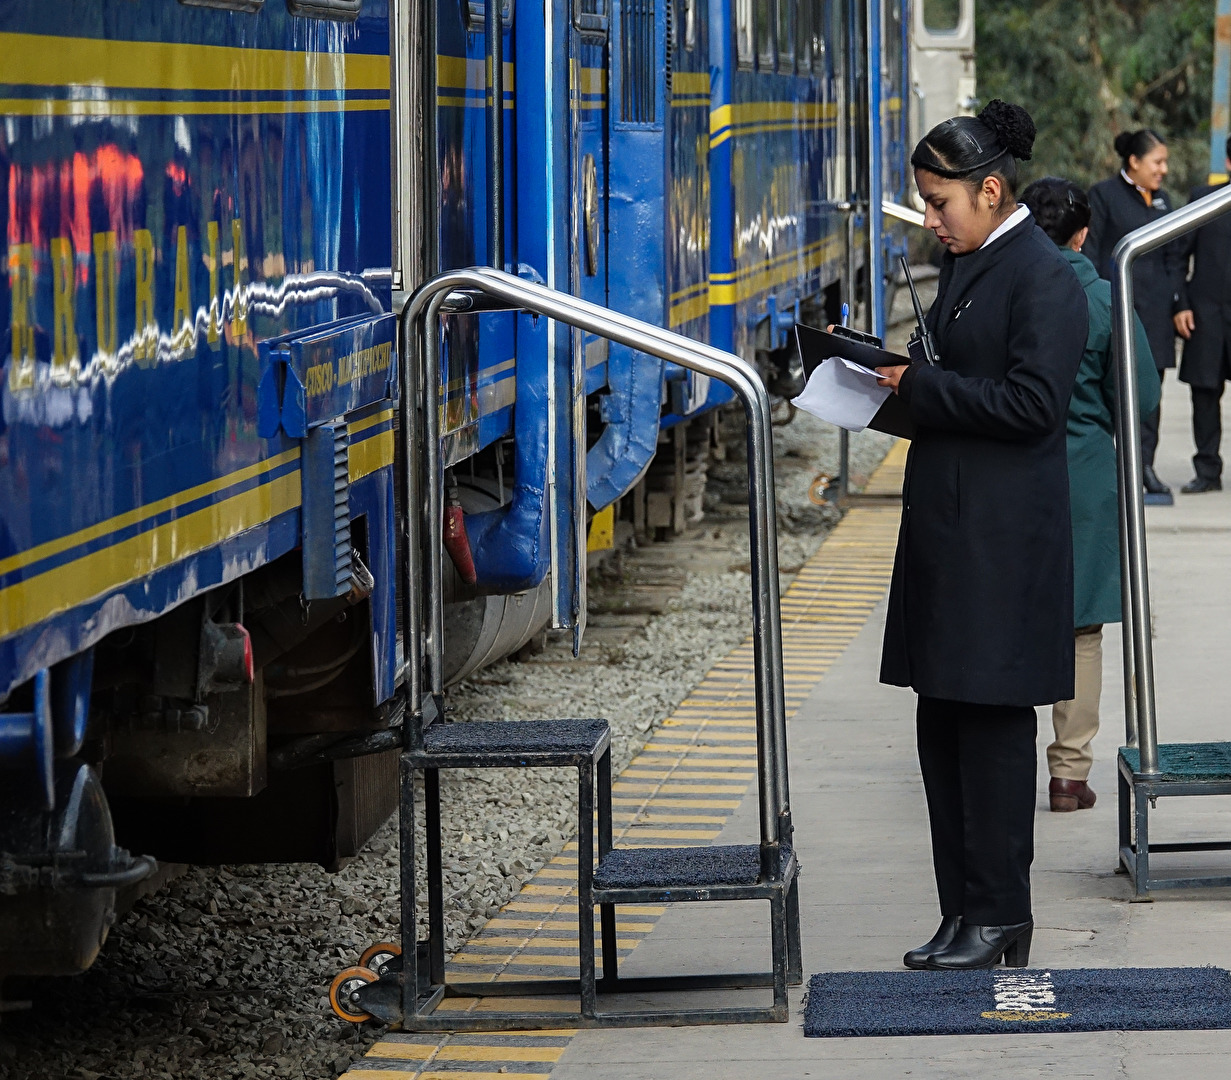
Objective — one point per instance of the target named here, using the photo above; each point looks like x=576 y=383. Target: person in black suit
x=980 y=618
x=1203 y=319
x=1127 y=201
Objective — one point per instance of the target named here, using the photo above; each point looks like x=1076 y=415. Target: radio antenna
x=921 y=346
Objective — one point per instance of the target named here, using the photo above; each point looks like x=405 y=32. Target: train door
x=895 y=130
x=628 y=411
x=588 y=33
x=895 y=136
x=588 y=195
x=942 y=60
x=688 y=196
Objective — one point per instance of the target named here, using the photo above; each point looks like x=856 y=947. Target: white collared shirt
x=1145 y=193
x=1148 y=197
x=1016 y=218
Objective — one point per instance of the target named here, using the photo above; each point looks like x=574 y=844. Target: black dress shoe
x=980 y=947
x=918 y=958
x=1199 y=484
x=1153 y=485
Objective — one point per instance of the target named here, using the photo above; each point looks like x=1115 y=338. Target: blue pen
x=846 y=314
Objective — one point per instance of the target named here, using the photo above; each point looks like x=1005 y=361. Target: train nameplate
x=311 y=378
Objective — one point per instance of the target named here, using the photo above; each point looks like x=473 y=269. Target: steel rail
x=422 y=312
x=1138 y=649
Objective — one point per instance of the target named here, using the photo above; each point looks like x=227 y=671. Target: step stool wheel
x=377 y=956
x=344 y=984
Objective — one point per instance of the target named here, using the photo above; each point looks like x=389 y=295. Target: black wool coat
x=1207 y=294
x=1116 y=209
x=981 y=601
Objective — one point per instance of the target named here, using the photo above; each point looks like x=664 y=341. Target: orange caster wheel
x=344 y=984
x=377 y=956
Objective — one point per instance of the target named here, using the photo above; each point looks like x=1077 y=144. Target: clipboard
x=816 y=346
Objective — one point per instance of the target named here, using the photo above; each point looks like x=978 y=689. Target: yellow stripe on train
x=120 y=107
x=94 y=575
x=142 y=513
x=51 y=60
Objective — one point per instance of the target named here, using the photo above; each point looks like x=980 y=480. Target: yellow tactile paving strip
x=679 y=790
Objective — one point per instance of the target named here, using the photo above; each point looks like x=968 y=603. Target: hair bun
x=1012 y=125
x=1124 y=143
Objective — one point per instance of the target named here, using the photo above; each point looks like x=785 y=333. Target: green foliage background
x=1089 y=69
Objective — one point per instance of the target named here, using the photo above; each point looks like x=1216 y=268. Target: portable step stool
x=1148 y=771
x=411 y=987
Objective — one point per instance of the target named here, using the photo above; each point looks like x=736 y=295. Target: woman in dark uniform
x=1127 y=201
x=981 y=602
x=1203 y=319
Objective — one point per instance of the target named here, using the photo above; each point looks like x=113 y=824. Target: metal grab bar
x=422 y=313
x=763 y=515
x=1139 y=703
x=902 y=213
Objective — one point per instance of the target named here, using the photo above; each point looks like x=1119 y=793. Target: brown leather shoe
x=1067 y=795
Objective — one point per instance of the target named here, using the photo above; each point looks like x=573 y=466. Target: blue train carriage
x=197 y=538
x=730 y=185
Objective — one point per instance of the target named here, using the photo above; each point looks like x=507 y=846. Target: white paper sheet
x=843 y=393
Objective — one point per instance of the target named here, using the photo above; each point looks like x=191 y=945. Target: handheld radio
x=922 y=346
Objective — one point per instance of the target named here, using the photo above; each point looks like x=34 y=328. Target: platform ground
x=861 y=830
x=868 y=892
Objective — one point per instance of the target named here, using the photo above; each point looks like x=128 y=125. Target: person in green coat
x=1062 y=210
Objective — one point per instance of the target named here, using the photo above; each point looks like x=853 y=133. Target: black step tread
x=1186 y=761
x=516 y=737
x=652 y=868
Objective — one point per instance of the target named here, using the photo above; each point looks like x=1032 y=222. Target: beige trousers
x=1076 y=721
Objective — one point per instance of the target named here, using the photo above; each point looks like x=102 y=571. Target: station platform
x=867 y=891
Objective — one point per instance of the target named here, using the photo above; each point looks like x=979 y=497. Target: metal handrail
x=1139 y=703
x=907 y=214
x=423 y=311
x=763 y=514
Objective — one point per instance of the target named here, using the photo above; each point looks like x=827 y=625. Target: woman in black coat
x=1127 y=201
x=981 y=602
x=1203 y=319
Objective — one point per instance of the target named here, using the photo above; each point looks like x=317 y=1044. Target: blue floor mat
x=855 y=1003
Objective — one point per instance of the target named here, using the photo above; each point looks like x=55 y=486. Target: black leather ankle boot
x=918 y=958
x=979 y=947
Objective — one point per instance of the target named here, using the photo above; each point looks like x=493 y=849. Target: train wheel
x=376 y=956
x=345 y=983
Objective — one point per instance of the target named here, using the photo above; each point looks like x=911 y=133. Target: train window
x=803 y=47
x=338 y=10
x=687 y=18
x=248 y=7
x=763 y=11
x=787 y=10
x=476 y=13
x=942 y=16
x=638 y=63
x=744 y=47
x=590 y=18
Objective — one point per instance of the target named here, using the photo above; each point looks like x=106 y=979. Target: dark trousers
x=979 y=764
x=1149 y=430
x=1207 y=432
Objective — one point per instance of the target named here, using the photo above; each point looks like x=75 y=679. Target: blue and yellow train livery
x=212 y=211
